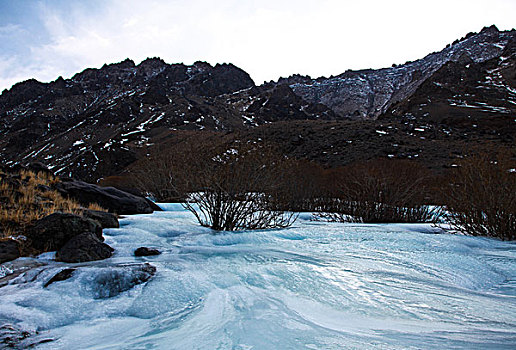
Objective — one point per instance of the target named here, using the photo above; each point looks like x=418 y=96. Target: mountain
x=369 y=93
x=100 y=121
x=94 y=122
x=465 y=94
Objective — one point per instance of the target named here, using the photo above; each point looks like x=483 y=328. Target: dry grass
x=6 y=233
x=95 y=206
x=27 y=197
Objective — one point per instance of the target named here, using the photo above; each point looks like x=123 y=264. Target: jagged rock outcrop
x=465 y=96
x=369 y=93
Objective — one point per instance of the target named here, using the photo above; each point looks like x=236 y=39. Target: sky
x=45 y=39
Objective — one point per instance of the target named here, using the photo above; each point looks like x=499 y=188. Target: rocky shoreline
x=76 y=237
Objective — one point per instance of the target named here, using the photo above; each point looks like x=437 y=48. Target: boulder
x=9 y=250
x=112 y=281
x=53 y=231
x=144 y=251
x=153 y=205
x=60 y=276
x=84 y=247
x=106 y=220
x=113 y=199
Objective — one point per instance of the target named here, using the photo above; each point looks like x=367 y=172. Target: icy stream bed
x=312 y=286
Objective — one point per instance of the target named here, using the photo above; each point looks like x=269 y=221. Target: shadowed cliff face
x=467 y=95
x=369 y=93
x=101 y=120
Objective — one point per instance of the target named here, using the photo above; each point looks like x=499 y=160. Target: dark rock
x=9 y=250
x=53 y=231
x=106 y=220
x=153 y=205
x=218 y=80
x=60 y=276
x=84 y=247
x=112 y=199
x=144 y=251
x=11 y=336
x=115 y=280
x=43 y=188
x=15 y=337
x=39 y=167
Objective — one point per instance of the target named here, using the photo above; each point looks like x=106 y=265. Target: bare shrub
x=159 y=174
x=380 y=191
x=226 y=185
x=481 y=199
x=301 y=185
x=155 y=175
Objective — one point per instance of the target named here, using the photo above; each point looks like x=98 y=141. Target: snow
x=249 y=120
x=141 y=127
x=315 y=285
x=36 y=152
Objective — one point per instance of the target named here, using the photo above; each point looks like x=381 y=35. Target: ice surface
x=315 y=285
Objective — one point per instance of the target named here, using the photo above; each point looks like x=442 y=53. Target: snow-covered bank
x=315 y=285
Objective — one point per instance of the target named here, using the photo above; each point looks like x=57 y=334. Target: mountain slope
x=465 y=95
x=102 y=120
x=369 y=93
x=103 y=115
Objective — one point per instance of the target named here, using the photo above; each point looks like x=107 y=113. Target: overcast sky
x=267 y=38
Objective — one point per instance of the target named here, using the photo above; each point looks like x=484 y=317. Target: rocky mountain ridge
x=101 y=120
x=369 y=93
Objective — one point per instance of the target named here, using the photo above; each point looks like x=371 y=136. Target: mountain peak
x=490 y=29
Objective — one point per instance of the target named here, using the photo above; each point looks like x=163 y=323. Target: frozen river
x=312 y=286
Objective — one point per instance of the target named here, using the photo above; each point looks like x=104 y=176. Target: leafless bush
x=226 y=185
x=481 y=199
x=155 y=175
x=239 y=187
x=304 y=186
x=380 y=192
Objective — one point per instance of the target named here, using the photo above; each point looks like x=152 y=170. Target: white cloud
x=266 y=38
